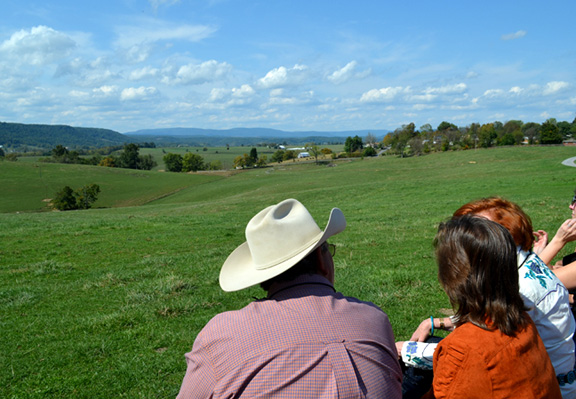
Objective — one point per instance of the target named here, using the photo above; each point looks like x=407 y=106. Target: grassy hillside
x=28 y=186
x=104 y=303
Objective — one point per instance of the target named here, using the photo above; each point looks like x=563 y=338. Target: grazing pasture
x=103 y=303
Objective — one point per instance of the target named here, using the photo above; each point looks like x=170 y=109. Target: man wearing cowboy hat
x=304 y=340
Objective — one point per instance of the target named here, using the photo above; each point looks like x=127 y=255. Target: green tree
x=550 y=134
x=446 y=126
x=108 y=161
x=65 y=200
x=289 y=154
x=253 y=156
x=2 y=153
x=192 y=162
x=146 y=162
x=173 y=162
x=278 y=156
x=86 y=196
x=314 y=150
x=59 y=153
x=239 y=162
x=261 y=161
x=129 y=157
x=353 y=144
x=507 y=139
x=564 y=129
x=369 y=152
x=215 y=165
x=486 y=135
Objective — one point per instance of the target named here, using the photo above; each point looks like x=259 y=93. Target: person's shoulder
x=360 y=303
x=469 y=337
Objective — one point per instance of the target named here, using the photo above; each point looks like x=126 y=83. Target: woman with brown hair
x=493 y=334
x=544 y=295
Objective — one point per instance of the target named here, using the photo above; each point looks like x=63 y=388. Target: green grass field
x=105 y=302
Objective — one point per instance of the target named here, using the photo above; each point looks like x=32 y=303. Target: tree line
x=407 y=140
x=128 y=158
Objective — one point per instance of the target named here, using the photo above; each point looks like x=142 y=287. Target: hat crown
x=280 y=232
x=277 y=238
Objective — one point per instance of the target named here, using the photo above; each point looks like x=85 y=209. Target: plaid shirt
x=305 y=342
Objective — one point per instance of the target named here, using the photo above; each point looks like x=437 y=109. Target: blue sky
x=292 y=65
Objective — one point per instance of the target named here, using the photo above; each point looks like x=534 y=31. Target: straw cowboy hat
x=277 y=238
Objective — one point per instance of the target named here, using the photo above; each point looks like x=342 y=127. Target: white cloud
x=348 y=72
x=449 y=89
x=554 y=87
x=143 y=73
x=152 y=30
x=243 y=92
x=234 y=97
x=105 y=90
x=138 y=93
x=493 y=93
x=512 y=36
x=283 y=76
x=199 y=73
x=218 y=94
x=383 y=95
x=40 y=45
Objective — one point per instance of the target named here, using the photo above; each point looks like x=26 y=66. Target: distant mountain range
x=244 y=136
x=26 y=137
x=251 y=132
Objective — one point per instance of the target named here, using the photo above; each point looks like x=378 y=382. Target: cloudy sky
x=286 y=64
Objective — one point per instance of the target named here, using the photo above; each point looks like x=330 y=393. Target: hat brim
x=239 y=271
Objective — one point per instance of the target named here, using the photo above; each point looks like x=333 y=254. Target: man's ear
x=323 y=266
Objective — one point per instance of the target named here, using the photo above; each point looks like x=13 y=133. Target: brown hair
x=477 y=270
x=506 y=213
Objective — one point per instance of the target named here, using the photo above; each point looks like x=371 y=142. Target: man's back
x=304 y=342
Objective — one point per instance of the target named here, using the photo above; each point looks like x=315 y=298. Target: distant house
x=303 y=155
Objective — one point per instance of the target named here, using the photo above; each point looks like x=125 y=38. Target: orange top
x=475 y=363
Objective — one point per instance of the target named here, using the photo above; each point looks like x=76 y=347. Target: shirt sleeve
x=200 y=378
x=418 y=354
x=459 y=373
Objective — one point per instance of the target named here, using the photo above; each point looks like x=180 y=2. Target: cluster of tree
x=67 y=199
x=407 y=140
x=250 y=160
x=189 y=163
x=354 y=146
x=129 y=158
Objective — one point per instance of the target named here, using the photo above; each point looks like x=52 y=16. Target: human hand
x=423 y=331
x=566 y=232
x=541 y=241
x=399 y=346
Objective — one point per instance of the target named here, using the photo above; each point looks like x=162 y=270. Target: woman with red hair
x=543 y=293
x=493 y=335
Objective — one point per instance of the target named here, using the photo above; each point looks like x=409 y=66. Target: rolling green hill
x=21 y=137
x=105 y=302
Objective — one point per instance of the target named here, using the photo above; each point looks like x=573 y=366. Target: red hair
x=506 y=213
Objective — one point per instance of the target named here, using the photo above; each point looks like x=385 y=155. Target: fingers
x=399 y=346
